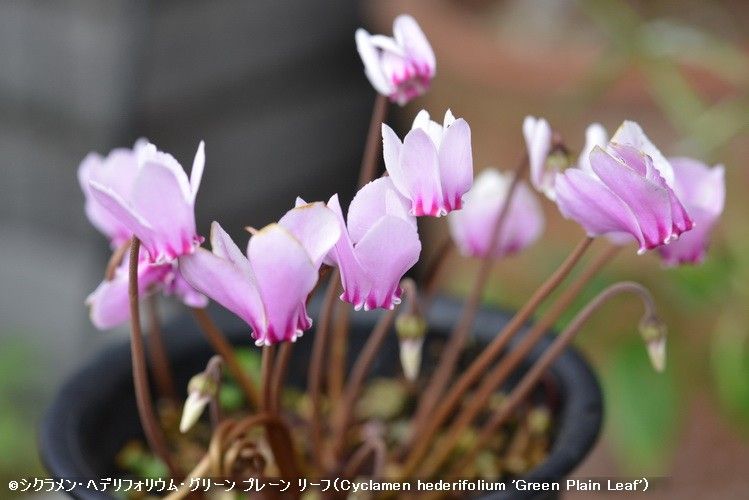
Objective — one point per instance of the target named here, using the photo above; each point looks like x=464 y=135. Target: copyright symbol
x=13 y=485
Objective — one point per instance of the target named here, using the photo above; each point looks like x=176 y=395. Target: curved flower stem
x=338 y=350
x=148 y=418
x=344 y=411
x=531 y=378
x=498 y=375
x=371 y=148
x=424 y=431
x=224 y=348
x=314 y=385
x=162 y=370
x=116 y=259
x=279 y=376
x=452 y=351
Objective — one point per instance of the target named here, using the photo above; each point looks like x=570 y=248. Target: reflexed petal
x=121 y=210
x=285 y=276
x=409 y=35
x=537 y=134
x=631 y=134
x=315 y=226
x=434 y=130
x=389 y=249
x=180 y=288
x=692 y=246
x=371 y=59
x=391 y=152
x=456 y=163
x=225 y=283
x=647 y=199
x=591 y=204
x=449 y=119
x=697 y=185
x=354 y=280
x=371 y=203
x=196 y=174
x=420 y=169
x=224 y=247
x=595 y=135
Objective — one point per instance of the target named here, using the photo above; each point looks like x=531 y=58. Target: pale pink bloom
x=158 y=205
x=702 y=190
x=269 y=285
x=401 y=67
x=109 y=304
x=378 y=244
x=625 y=194
x=118 y=170
x=433 y=166
x=538 y=141
x=472 y=227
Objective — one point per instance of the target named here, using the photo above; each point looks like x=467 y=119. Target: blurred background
x=276 y=90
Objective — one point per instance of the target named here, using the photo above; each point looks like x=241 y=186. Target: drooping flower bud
x=411 y=330
x=200 y=390
x=653 y=331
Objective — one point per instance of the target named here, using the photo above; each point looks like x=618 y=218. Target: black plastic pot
x=94 y=413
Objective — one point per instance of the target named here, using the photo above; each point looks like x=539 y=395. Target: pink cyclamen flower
x=625 y=194
x=109 y=304
x=433 y=166
x=538 y=142
x=471 y=228
x=378 y=244
x=401 y=67
x=158 y=205
x=268 y=287
x=702 y=190
x=118 y=169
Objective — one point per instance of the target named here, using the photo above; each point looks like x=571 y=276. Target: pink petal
x=371 y=203
x=180 y=288
x=631 y=134
x=591 y=204
x=354 y=280
x=371 y=59
x=456 y=163
x=434 y=130
x=315 y=226
x=420 y=168
x=391 y=152
x=226 y=283
x=119 y=209
x=595 y=135
x=196 y=174
x=285 y=276
x=647 y=199
x=537 y=134
x=389 y=249
x=409 y=35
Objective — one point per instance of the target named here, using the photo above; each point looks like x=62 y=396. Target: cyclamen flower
x=538 y=141
x=433 y=166
x=471 y=228
x=626 y=193
x=109 y=304
x=157 y=205
x=268 y=287
x=377 y=246
x=702 y=190
x=401 y=67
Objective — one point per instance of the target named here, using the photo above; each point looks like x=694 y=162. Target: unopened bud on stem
x=411 y=329
x=653 y=332
x=200 y=390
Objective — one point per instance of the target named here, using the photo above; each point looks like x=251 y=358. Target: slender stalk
x=116 y=259
x=452 y=351
x=371 y=147
x=424 y=433
x=148 y=418
x=314 y=386
x=213 y=369
x=266 y=369
x=224 y=348
x=359 y=373
x=372 y=446
x=162 y=370
x=531 y=378
x=338 y=350
x=498 y=375
x=279 y=376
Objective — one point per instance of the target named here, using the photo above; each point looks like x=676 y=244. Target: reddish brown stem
x=279 y=376
x=148 y=418
x=531 y=378
x=457 y=340
x=162 y=370
x=421 y=439
x=433 y=272
x=498 y=375
x=116 y=259
x=266 y=369
x=338 y=350
x=372 y=146
x=224 y=348
x=359 y=372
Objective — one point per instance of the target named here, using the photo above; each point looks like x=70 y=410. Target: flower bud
x=200 y=390
x=411 y=330
x=653 y=332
